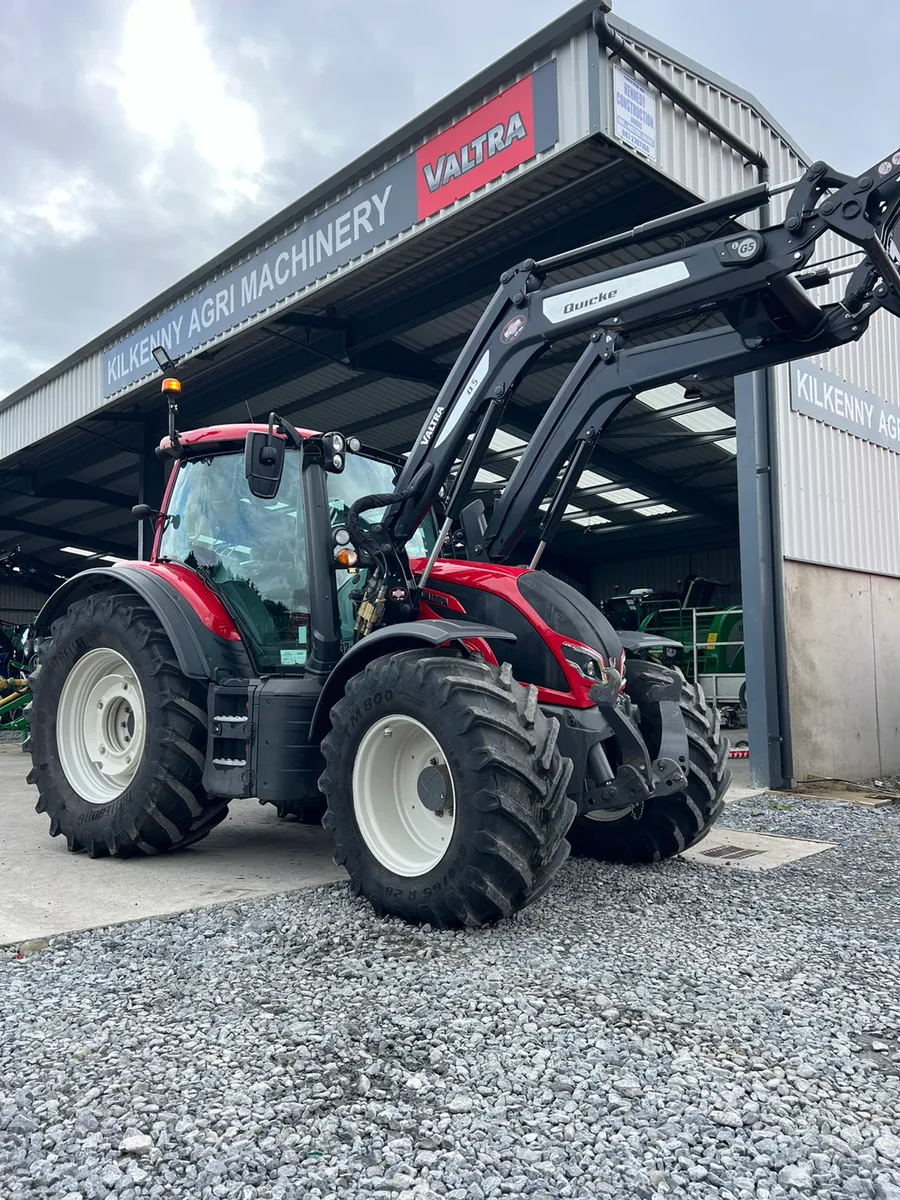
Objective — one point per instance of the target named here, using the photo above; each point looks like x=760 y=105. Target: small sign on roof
x=635 y=114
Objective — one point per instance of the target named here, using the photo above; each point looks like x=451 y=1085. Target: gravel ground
x=677 y=1031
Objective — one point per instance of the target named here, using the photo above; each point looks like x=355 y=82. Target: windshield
x=366 y=477
x=369 y=477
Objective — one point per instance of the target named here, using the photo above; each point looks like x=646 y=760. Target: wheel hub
x=434 y=787
x=101 y=726
x=404 y=798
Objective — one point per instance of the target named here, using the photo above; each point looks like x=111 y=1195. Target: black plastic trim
x=393 y=639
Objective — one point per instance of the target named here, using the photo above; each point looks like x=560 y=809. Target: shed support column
x=761 y=583
x=151 y=483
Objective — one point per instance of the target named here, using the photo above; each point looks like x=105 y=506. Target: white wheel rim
x=101 y=726
x=405 y=836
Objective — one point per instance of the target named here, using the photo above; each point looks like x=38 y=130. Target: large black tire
x=662 y=828
x=165 y=806
x=511 y=814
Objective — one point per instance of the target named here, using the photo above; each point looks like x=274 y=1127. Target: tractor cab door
x=253 y=551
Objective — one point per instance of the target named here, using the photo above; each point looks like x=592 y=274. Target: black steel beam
x=72 y=489
x=62 y=537
x=399 y=361
x=682 y=440
x=653 y=415
x=302 y=320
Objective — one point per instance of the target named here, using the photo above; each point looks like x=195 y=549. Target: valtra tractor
x=299 y=637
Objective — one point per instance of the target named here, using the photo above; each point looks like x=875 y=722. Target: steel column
x=764 y=651
x=151 y=482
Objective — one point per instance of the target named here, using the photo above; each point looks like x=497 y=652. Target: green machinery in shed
x=711 y=637
x=15 y=694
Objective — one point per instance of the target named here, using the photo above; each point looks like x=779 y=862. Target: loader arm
x=753 y=281
x=606 y=377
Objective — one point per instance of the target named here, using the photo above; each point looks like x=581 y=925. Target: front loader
x=301 y=632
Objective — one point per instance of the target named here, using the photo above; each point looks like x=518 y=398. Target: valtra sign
x=498 y=136
x=495 y=138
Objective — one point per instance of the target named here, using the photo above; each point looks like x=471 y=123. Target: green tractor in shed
x=704 y=640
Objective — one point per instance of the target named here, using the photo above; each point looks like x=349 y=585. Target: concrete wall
x=843 y=649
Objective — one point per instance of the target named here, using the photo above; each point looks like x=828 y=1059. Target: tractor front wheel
x=446 y=792
x=661 y=828
x=118 y=734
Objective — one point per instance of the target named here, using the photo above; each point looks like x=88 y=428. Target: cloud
x=168 y=85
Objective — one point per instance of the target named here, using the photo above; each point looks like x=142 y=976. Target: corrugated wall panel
x=58 y=403
x=692 y=155
x=662 y=572
x=840 y=494
x=19 y=604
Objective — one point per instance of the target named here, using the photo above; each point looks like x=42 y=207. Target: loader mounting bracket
x=641 y=777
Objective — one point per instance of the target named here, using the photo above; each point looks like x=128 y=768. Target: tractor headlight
x=586 y=662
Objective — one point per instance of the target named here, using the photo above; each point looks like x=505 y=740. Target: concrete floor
x=45 y=890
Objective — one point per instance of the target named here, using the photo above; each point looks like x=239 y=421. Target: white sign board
x=635 y=114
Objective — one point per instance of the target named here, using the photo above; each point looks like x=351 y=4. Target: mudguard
x=392 y=639
x=201 y=653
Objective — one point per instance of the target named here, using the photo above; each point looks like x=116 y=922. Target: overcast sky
x=140 y=137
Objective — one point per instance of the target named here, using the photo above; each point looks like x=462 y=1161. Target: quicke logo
x=590 y=301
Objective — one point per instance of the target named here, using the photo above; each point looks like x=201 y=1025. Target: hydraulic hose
x=360 y=536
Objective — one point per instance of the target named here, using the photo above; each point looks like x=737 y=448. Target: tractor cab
x=260 y=554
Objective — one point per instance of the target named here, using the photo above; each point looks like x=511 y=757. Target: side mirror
x=263 y=464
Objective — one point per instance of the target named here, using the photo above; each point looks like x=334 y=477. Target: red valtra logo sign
x=501 y=135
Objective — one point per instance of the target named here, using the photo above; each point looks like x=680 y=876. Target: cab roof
x=223 y=433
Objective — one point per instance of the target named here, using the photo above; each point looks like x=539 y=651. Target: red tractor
x=298 y=637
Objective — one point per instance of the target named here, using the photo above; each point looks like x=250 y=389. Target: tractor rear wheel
x=661 y=828
x=446 y=791
x=118 y=734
